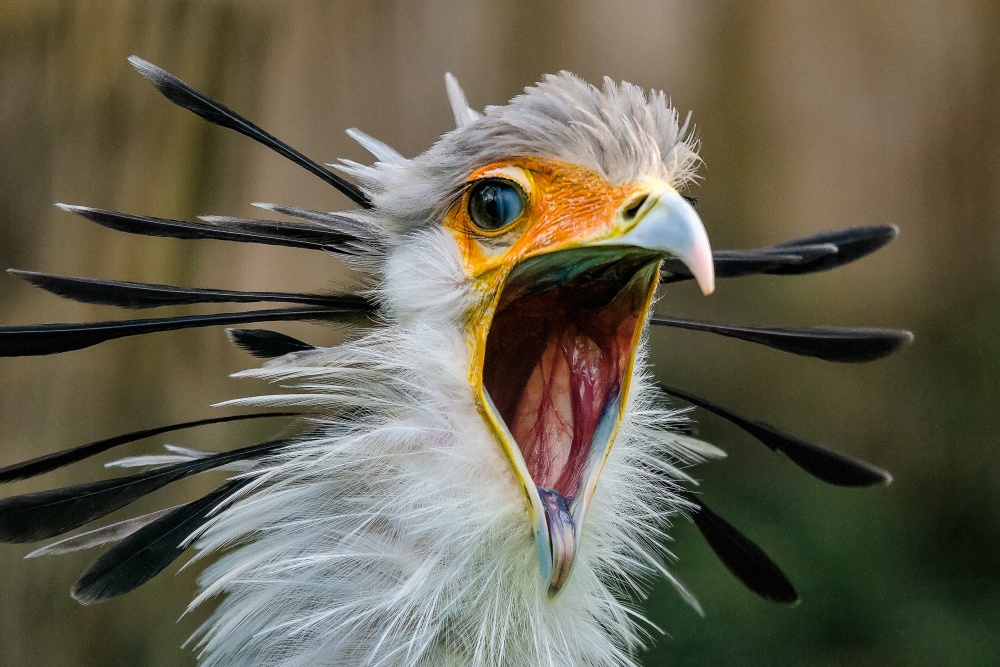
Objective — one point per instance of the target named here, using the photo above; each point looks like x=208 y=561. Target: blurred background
x=813 y=116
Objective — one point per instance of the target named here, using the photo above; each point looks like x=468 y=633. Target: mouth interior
x=556 y=359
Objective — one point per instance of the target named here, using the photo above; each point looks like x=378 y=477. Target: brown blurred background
x=813 y=116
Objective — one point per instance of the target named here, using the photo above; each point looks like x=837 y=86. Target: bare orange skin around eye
x=567 y=205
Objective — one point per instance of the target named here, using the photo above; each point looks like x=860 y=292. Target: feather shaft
x=337 y=222
x=99 y=536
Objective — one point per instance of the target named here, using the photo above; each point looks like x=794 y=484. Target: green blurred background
x=813 y=116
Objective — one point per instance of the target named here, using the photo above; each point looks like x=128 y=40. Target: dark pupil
x=494 y=204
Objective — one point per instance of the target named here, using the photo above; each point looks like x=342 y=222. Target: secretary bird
x=484 y=473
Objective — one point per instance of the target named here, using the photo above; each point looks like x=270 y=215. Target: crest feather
x=464 y=114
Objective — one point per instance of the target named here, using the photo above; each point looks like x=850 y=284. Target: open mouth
x=558 y=361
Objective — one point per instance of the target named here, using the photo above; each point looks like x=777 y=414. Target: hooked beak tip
x=672 y=225
x=668 y=224
x=702 y=266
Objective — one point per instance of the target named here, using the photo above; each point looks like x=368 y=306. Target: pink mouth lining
x=555 y=360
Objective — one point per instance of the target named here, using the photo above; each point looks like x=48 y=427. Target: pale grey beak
x=667 y=223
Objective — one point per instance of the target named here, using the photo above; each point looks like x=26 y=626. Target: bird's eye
x=495 y=203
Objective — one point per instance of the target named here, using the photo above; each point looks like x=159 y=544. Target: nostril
x=632 y=209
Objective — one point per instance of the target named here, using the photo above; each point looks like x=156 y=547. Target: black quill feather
x=45 y=514
x=809 y=254
x=39 y=339
x=266 y=344
x=124 y=294
x=852 y=244
x=56 y=460
x=202 y=105
x=840 y=344
x=755 y=261
x=829 y=466
x=335 y=222
x=146 y=552
x=742 y=556
x=306 y=231
x=145 y=225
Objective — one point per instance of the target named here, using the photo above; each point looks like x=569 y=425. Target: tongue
x=562 y=537
x=557 y=413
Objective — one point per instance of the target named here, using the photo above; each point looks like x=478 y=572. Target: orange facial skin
x=567 y=205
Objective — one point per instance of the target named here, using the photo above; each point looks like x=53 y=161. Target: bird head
x=546 y=221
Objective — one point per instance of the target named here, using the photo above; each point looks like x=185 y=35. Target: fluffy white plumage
x=398 y=536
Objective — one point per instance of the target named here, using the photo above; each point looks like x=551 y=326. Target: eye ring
x=494 y=204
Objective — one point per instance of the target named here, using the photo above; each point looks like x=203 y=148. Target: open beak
x=554 y=356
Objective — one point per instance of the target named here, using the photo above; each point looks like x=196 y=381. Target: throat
x=556 y=366
x=556 y=416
